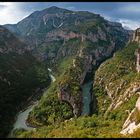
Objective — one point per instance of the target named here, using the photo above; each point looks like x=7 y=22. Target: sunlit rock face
x=132 y=123
x=136 y=35
x=137 y=53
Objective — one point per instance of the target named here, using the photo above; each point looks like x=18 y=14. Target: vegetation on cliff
x=50 y=110
x=100 y=124
x=21 y=75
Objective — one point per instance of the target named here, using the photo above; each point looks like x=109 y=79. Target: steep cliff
x=119 y=79
x=116 y=88
x=20 y=76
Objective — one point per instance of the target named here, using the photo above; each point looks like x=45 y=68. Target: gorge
x=85 y=71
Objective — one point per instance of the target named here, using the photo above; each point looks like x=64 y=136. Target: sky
x=127 y=13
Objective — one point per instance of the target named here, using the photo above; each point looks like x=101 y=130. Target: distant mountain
x=49 y=19
x=52 y=25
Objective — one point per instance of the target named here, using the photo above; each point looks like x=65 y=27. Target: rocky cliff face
x=118 y=78
x=137 y=53
x=65 y=95
x=136 y=36
x=132 y=122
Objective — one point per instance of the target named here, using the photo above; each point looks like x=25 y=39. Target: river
x=22 y=116
x=86 y=98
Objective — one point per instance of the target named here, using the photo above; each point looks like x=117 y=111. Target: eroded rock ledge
x=132 y=123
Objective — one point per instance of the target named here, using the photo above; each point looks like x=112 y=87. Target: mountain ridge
x=36 y=33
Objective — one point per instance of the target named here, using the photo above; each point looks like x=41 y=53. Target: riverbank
x=22 y=115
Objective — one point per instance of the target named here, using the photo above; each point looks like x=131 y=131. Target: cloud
x=10 y=13
x=2 y=6
x=13 y=12
x=129 y=23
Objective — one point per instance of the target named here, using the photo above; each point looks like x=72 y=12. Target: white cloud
x=129 y=23
x=5 y=3
x=11 y=13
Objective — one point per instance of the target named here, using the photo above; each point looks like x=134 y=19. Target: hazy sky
x=128 y=13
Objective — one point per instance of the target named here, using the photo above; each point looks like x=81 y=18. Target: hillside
x=21 y=76
x=116 y=89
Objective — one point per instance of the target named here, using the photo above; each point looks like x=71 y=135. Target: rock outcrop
x=136 y=36
x=117 y=101
x=137 y=53
x=117 y=80
x=132 y=123
x=65 y=95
